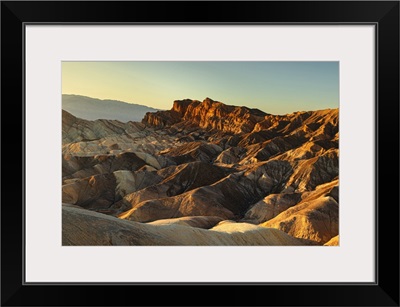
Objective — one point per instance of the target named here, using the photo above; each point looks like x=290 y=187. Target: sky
x=273 y=87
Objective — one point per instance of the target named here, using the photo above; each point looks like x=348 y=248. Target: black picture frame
x=383 y=14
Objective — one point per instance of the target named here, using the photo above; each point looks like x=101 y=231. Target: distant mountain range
x=92 y=108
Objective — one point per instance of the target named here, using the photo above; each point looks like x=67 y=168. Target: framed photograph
x=246 y=149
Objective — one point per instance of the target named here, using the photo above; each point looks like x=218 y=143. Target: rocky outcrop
x=208 y=114
x=161 y=119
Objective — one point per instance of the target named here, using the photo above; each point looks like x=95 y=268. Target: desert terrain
x=202 y=173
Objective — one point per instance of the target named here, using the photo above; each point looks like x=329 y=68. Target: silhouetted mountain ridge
x=92 y=108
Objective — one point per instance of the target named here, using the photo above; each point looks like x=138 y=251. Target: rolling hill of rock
x=210 y=166
x=92 y=108
x=83 y=227
x=333 y=242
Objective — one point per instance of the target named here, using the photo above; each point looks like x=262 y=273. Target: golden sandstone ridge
x=202 y=173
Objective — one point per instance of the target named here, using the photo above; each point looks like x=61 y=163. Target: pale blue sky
x=274 y=87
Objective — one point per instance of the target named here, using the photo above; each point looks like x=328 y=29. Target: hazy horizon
x=273 y=87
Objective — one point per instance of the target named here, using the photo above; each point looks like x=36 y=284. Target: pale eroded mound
x=316 y=220
x=333 y=242
x=205 y=222
x=83 y=227
x=274 y=204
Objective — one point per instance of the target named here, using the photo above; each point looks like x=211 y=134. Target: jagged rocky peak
x=208 y=114
x=161 y=119
x=181 y=106
x=208 y=103
x=187 y=106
